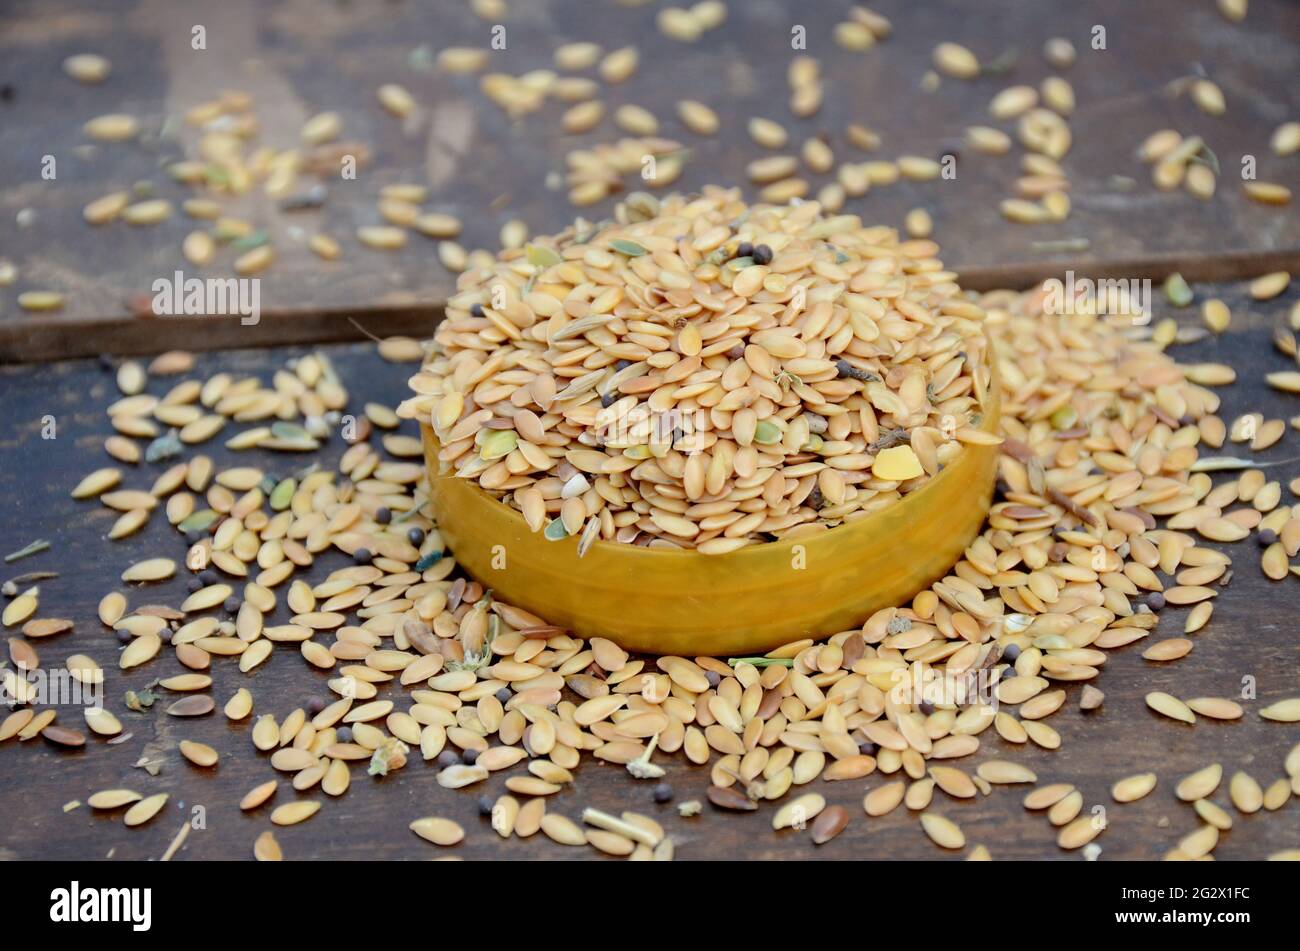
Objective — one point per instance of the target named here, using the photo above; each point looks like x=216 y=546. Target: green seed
x=767 y=432
x=498 y=444
x=1065 y=417
x=540 y=256
x=630 y=248
x=1176 y=290
x=282 y=495
x=198 y=522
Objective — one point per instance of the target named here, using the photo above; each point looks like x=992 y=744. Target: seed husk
x=1217 y=708
x=112 y=798
x=562 y=830
x=1268 y=286
x=437 y=830
x=141 y=650
x=955 y=60
x=145 y=809
x=799 y=811
x=114 y=127
x=152 y=569
x=257 y=795
x=942 y=831
x=89 y=68
x=1003 y=772
x=1078 y=833
x=1133 y=788
x=1200 y=784
x=396 y=100
x=1283 y=711
x=291 y=813
x=200 y=754
x=266 y=848
x=1170 y=706
x=40 y=301
x=102 y=721
x=1245 y=793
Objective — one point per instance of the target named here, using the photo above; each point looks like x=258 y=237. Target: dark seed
x=232 y=604
x=1010 y=653
x=485 y=805
x=663 y=792
x=926 y=707
x=1266 y=537
x=124 y=637
x=208 y=576
x=867 y=748
x=362 y=556
x=415 y=536
x=344 y=734
x=713 y=677
x=469 y=757
x=725 y=797
x=503 y=695
x=476 y=310
x=829 y=824
x=384 y=515
x=315 y=705
x=64 y=736
x=313 y=197
x=194 y=584
x=1156 y=601
x=846 y=370
x=744 y=250
x=762 y=254
x=447 y=758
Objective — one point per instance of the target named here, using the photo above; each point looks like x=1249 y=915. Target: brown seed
x=64 y=736
x=727 y=797
x=829 y=824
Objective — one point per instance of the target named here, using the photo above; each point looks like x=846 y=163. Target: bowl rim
x=904 y=507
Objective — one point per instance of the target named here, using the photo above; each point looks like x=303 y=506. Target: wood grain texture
x=1251 y=635
x=297 y=58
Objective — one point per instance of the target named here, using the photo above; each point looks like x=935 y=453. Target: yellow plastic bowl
x=664 y=601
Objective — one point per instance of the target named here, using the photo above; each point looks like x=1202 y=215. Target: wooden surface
x=1252 y=634
x=299 y=57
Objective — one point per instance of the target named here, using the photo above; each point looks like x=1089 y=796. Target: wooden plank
x=296 y=59
x=1249 y=636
